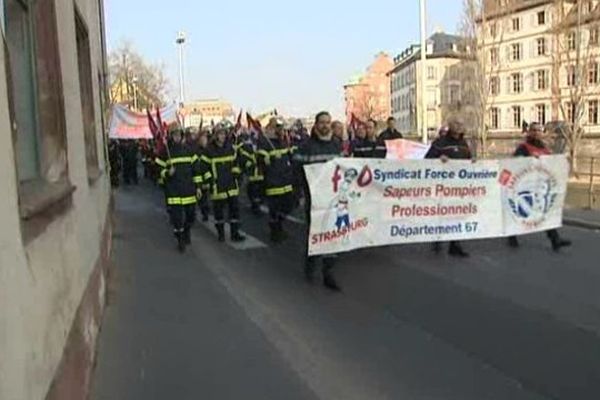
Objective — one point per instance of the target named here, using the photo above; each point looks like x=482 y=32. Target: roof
x=572 y=17
x=439 y=44
x=494 y=10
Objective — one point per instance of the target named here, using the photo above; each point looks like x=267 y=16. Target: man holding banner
x=319 y=149
x=534 y=146
x=451 y=146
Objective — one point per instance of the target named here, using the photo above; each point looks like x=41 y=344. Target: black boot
x=275 y=238
x=309 y=269
x=283 y=236
x=235 y=233
x=557 y=241
x=180 y=242
x=328 y=279
x=220 y=232
x=513 y=242
x=456 y=250
x=187 y=236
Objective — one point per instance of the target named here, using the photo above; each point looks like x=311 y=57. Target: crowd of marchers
x=207 y=168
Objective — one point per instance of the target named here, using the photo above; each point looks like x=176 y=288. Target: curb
x=580 y=223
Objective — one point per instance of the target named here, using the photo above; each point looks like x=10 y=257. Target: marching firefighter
x=274 y=158
x=255 y=187
x=180 y=171
x=221 y=172
x=361 y=146
x=319 y=148
x=114 y=156
x=451 y=146
x=534 y=146
x=198 y=144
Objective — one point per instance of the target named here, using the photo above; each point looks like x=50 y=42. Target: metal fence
x=587 y=171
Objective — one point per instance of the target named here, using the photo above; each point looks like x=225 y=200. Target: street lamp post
x=423 y=102
x=180 y=43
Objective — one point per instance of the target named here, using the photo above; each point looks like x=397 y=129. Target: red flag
x=238 y=123
x=152 y=125
x=253 y=124
x=159 y=121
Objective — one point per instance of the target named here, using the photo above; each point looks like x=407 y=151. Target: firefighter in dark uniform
x=255 y=186
x=361 y=147
x=198 y=143
x=274 y=156
x=221 y=172
x=534 y=146
x=181 y=173
x=452 y=146
x=319 y=148
x=390 y=133
x=114 y=156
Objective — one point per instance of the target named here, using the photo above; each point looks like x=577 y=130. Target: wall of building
x=43 y=278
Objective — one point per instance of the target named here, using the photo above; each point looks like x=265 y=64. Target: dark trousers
x=328 y=260
x=233 y=208
x=130 y=174
x=280 y=206
x=182 y=217
x=204 y=206
x=255 y=193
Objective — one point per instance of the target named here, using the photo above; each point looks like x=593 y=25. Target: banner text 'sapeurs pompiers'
x=359 y=203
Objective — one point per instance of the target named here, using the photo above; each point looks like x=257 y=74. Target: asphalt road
x=233 y=322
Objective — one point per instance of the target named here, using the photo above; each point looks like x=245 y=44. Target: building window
x=571 y=76
x=36 y=95
x=541 y=46
x=21 y=51
x=493 y=30
x=494 y=56
x=571 y=41
x=516 y=24
x=541 y=18
x=495 y=118
x=495 y=86
x=87 y=96
x=431 y=73
x=515 y=52
x=570 y=111
x=516 y=117
x=540 y=110
x=517 y=83
x=542 y=79
x=454 y=94
x=593 y=112
x=594 y=36
x=593 y=73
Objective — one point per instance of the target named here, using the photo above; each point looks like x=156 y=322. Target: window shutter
x=533 y=48
x=508 y=85
x=508 y=53
x=531 y=77
x=533 y=19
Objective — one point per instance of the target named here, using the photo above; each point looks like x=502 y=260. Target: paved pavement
x=224 y=322
x=583 y=218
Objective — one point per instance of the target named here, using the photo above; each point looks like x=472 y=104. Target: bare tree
x=575 y=70
x=133 y=78
x=478 y=73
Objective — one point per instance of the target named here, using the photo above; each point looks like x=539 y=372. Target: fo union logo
x=531 y=194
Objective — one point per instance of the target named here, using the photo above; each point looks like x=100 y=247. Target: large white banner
x=360 y=203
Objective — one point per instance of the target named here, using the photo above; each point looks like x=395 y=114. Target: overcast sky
x=258 y=54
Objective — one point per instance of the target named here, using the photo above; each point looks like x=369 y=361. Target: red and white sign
x=127 y=124
x=402 y=149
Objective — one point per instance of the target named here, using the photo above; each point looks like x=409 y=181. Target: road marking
x=290 y=218
x=249 y=244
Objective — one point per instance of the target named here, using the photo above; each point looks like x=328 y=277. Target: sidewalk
x=171 y=330
x=588 y=219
